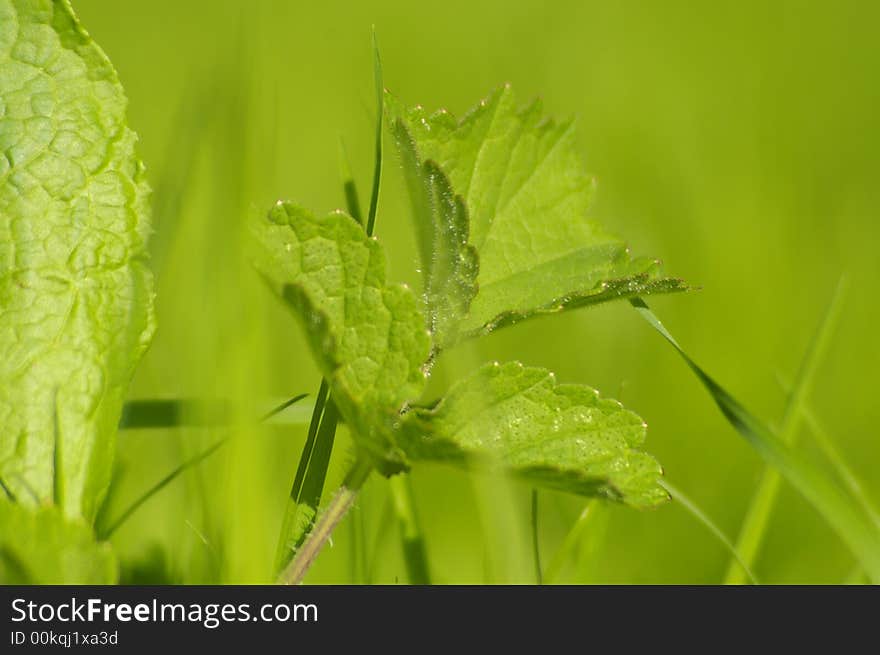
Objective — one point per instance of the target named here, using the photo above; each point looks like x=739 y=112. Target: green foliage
x=75 y=293
x=42 y=546
x=370 y=339
x=562 y=436
x=505 y=186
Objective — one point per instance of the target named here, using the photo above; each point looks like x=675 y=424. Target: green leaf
x=527 y=195
x=449 y=262
x=367 y=336
x=42 y=546
x=561 y=436
x=75 y=292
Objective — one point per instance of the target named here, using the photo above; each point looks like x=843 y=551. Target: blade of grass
x=414 y=552
x=835 y=458
x=303 y=506
x=280 y=408
x=710 y=525
x=536 y=545
x=308 y=483
x=566 y=550
x=107 y=532
x=8 y=491
x=349 y=187
x=377 y=162
x=763 y=501
x=159 y=413
x=837 y=507
x=193 y=461
x=358 y=557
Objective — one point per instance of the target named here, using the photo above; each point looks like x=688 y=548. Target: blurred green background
x=739 y=142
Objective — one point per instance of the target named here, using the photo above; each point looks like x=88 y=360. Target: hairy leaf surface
x=75 y=293
x=562 y=436
x=527 y=195
x=42 y=546
x=368 y=337
x=449 y=261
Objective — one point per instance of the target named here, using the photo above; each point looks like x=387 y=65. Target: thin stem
x=329 y=519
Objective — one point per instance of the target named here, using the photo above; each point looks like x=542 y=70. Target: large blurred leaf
x=368 y=337
x=41 y=546
x=527 y=195
x=562 y=436
x=75 y=293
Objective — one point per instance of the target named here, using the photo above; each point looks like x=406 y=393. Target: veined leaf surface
x=527 y=196
x=562 y=436
x=75 y=292
x=368 y=337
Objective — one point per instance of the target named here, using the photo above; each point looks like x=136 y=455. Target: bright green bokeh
x=739 y=142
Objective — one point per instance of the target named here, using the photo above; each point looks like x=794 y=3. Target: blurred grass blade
x=837 y=508
x=761 y=507
x=9 y=494
x=414 y=552
x=566 y=550
x=703 y=518
x=536 y=541
x=835 y=458
x=349 y=187
x=156 y=413
x=280 y=408
x=377 y=160
x=107 y=532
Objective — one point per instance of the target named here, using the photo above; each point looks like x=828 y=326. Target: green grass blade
x=836 y=507
x=349 y=187
x=9 y=494
x=843 y=471
x=536 y=541
x=107 y=532
x=710 y=525
x=414 y=553
x=280 y=408
x=164 y=482
x=308 y=483
x=161 y=413
x=761 y=507
x=315 y=459
x=377 y=161
x=566 y=550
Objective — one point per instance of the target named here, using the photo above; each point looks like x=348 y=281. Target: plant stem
x=414 y=553
x=338 y=506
